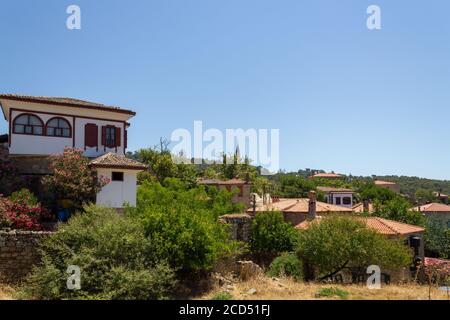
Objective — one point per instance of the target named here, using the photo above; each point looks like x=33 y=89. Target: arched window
x=28 y=124
x=58 y=127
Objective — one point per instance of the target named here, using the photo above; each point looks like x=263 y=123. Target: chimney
x=312 y=210
x=366 y=205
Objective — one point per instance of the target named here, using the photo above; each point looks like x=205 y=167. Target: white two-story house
x=338 y=196
x=42 y=126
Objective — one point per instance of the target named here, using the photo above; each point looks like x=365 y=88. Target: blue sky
x=344 y=98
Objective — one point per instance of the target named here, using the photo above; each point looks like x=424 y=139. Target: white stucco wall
x=116 y=193
x=331 y=198
x=22 y=144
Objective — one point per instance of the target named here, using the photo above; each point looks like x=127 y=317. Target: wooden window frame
x=110 y=145
x=56 y=136
x=28 y=125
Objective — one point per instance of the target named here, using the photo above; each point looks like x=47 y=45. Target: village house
x=243 y=188
x=42 y=126
x=441 y=197
x=329 y=176
x=411 y=234
x=388 y=185
x=436 y=211
x=296 y=210
x=338 y=196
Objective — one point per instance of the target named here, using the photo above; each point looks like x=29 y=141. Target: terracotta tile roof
x=335 y=190
x=301 y=205
x=440 y=264
x=381 y=182
x=327 y=175
x=380 y=225
x=115 y=161
x=62 y=101
x=433 y=207
x=221 y=182
x=359 y=207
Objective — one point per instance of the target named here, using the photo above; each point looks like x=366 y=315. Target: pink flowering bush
x=73 y=179
x=20 y=215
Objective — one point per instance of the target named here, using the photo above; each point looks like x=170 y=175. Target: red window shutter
x=118 y=137
x=103 y=136
x=125 y=138
x=91 y=135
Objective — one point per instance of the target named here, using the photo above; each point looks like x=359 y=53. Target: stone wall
x=18 y=253
x=239 y=225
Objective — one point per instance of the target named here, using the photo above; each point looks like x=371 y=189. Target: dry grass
x=6 y=292
x=287 y=289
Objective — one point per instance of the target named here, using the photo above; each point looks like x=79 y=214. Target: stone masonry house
x=295 y=210
x=388 y=185
x=243 y=194
x=437 y=211
x=42 y=126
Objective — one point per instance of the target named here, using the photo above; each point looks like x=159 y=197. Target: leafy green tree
x=371 y=192
x=182 y=223
x=161 y=166
x=271 y=234
x=292 y=186
x=398 y=209
x=437 y=239
x=338 y=242
x=116 y=260
x=423 y=196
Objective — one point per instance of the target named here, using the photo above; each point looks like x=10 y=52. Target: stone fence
x=18 y=253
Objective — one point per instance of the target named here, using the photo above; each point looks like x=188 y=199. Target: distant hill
x=409 y=185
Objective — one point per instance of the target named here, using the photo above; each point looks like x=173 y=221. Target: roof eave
x=68 y=104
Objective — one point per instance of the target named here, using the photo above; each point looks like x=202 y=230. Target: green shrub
x=332 y=292
x=222 y=296
x=24 y=197
x=271 y=234
x=182 y=225
x=287 y=265
x=115 y=258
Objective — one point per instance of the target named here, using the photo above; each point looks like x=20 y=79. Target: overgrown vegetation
x=183 y=224
x=286 y=265
x=338 y=242
x=271 y=234
x=116 y=259
x=73 y=179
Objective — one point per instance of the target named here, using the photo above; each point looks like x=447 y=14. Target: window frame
x=121 y=173
x=14 y=124
x=349 y=199
x=113 y=136
x=60 y=128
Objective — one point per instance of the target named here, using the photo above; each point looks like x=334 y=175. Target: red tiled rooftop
x=63 y=101
x=380 y=225
x=433 y=207
x=113 y=160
